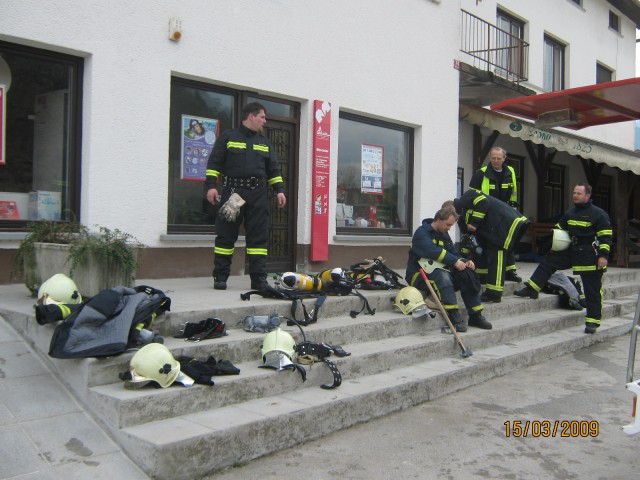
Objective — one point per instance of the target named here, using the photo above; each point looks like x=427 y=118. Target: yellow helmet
x=408 y=299
x=278 y=349
x=153 y=362
x=59 y=289
x=561 y=240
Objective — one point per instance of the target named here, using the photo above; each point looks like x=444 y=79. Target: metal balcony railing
x=494 y=49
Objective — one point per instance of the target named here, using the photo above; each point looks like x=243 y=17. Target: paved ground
x=463 y=435
x=45 y=434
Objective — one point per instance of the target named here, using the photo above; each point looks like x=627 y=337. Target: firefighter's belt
x=249 y=183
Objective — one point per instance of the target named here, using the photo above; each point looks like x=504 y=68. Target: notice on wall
x=3 y=111
x=372 y=161
x=198 y=136
x=320 y=187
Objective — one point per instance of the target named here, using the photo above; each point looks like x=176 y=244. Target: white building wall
x=389 y=60
x=585 y=32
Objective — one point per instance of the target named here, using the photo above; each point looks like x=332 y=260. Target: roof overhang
x=567 y=142
x=580 y=107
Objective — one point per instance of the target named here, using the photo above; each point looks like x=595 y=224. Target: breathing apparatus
x=301 y=282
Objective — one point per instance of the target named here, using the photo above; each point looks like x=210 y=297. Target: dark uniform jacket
x=498 y=224
x=243 y=153
x=587 y=224
x=501 y=185
x=429 y=243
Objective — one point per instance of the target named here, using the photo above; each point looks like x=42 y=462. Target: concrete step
x=119 y=407
x=193 y=444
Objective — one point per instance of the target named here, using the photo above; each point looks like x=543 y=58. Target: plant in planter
x=42 y=232
x=94 y=261
x=104 y=260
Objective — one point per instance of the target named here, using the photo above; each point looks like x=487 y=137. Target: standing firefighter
x=498 y=180
x=589 y=231
x=246 y=161
x=499 y=227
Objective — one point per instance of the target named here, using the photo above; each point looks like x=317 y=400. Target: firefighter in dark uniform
x=499 y=228
x=242 y=164
x=499 y=181
x=432 y=241
x=589 y=229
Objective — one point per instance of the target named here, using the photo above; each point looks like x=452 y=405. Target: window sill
x=205 y=239
x=372 y=239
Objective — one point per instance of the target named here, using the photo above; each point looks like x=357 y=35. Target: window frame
x=74 y=128
x=558 y=56
x=507 y=61
x=602 y=69
x=409 y=160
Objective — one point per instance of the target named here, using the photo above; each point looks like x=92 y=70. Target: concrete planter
x=90 y=277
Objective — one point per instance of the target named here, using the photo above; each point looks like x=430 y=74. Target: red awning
x=580 y=107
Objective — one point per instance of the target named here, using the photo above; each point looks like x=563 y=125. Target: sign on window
x=198 y=136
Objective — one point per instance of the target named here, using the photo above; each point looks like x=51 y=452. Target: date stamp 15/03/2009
x=552 y=428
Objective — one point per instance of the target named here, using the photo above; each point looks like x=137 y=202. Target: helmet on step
x=59 y=289
x=409 y=299
x=153 y=362
x=278 y=349
x=561 y=240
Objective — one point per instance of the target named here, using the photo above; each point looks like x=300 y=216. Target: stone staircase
x=396 y=362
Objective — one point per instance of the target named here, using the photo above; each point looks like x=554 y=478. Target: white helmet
x=153 y=362
x=409 y=300
x=59 y=289
x=278 y=349
x=561 y=240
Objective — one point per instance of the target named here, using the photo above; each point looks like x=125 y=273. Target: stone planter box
x=90 y=278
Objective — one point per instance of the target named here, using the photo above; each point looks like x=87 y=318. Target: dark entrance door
x=282 y=220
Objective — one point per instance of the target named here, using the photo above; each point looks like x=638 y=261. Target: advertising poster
x=320 y=187
x=2 y=123
x=372 y=159
x=198 y=136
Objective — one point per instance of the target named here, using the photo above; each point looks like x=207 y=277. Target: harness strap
x=337 y=377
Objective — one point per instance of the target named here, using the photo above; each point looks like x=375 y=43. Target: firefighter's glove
x=231 y=208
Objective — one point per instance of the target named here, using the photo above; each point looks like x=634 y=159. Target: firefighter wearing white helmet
x=153 y=362
x=409 y=300
x=59 y=289
x=589 y=230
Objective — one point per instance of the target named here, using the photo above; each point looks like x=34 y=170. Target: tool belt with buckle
x=581 y=241
x=249 y=183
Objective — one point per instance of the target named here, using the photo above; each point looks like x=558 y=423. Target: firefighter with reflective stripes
x=242 y=164
x=432 y=241
x=499 y=228
x=590 y=232
x=499 y=181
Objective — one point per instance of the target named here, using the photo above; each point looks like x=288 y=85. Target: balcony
x=494 y=62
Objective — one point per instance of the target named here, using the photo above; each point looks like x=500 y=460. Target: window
x=602 y=194
x=553 y=207
x=374 y=177
x=614 y=21
x=42 y=135
x=510 y=53
x=603 y=74
x=553 y=65
x=213 y=110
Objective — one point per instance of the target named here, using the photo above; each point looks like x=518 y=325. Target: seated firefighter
x=499 y=228
x=431 y=241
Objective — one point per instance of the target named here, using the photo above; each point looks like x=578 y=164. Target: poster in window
x=460 y=181
x=2 y=123
x=372 y=163
x=198 y=136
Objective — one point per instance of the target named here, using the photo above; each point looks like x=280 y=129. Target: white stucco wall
x=588 y=39
x=389 y=60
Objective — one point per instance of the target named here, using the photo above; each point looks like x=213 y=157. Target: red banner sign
x=320 y=188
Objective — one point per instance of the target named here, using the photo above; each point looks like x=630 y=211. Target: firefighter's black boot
x=526 y=291
x=512 y=276
x=259 y=283
x=477 y=320
x=457 y=321
x=220 y=282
